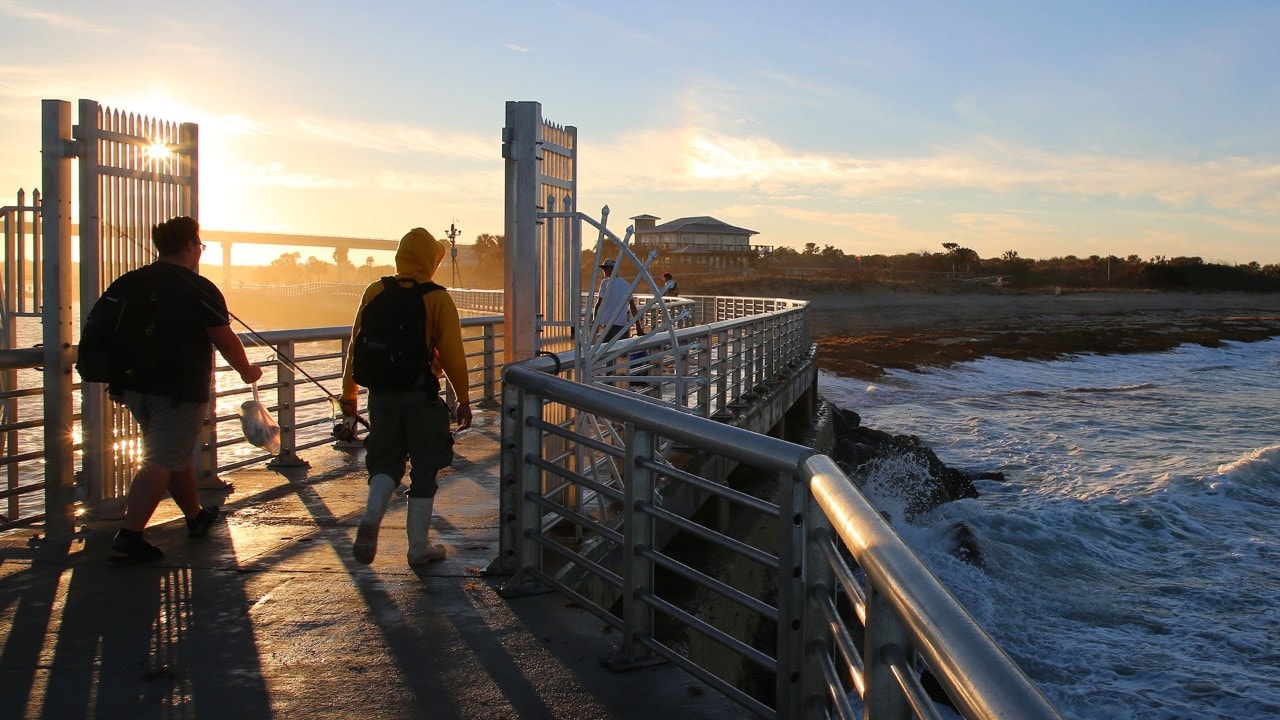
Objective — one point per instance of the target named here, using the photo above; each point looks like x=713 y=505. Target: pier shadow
x=270 y=616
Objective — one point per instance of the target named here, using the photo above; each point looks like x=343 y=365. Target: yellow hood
x=418 y=255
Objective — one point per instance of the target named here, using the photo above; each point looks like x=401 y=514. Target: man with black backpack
x=150 y=338
x=405 y=328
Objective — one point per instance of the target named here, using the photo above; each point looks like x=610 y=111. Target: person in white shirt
x=614 y=304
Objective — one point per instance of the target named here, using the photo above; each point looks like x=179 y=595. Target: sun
x=158 y=152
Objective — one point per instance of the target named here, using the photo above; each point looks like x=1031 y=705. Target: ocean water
x=1132 y=550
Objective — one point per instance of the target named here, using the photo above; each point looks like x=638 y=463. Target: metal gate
x=543 y=258
x=134 y=172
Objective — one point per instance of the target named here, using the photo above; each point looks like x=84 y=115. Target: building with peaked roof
x=696 y=244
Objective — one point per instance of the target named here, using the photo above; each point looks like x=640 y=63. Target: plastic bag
x=259 y=427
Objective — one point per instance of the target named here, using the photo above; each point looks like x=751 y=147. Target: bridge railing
x=856 y=619
x=300 y=405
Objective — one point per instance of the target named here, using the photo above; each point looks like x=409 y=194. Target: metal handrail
x=742 y=343
x=22 y=430
x=908 y=608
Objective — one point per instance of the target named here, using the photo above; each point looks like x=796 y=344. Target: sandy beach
x=861 y=334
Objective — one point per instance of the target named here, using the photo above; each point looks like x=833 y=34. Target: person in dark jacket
x=170 y=402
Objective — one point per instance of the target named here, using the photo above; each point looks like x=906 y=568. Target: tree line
x=481 y=267
x=959 y=263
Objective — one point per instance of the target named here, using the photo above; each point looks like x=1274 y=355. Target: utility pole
x=453 y=234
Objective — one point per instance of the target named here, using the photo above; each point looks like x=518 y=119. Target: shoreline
x=863 y=334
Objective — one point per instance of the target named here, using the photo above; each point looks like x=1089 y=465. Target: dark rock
x=966 y=545
x=861 y=448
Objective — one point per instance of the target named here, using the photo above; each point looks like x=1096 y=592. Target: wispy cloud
x=276 y=175
x=519 y=48
x=399 y=138
x=699 y=160
x=59 y=20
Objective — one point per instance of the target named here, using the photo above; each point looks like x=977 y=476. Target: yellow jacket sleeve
x=445 y=330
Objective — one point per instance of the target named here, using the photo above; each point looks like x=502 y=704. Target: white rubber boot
x=366 y=544
x=419 y=528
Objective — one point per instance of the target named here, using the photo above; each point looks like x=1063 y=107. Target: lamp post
x=453 y=234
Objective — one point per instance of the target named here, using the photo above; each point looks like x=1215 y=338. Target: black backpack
x=391 y=352
x=121 y=337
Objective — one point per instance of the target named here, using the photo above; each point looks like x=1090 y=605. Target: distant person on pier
x=614 y=304
x=673 y=288
x=169 y=398
x=405 y=328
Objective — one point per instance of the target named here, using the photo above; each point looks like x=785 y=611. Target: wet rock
x=862 y=451
x=860 y=448
x=965 y=544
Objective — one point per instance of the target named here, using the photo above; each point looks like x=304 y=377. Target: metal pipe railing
x=300 y=409
x=908 y=614
x=741 y=345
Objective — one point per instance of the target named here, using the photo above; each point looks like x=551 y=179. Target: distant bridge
x=227 y=238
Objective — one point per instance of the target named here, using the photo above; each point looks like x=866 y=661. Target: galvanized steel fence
x=854 y=621
x=303 y=411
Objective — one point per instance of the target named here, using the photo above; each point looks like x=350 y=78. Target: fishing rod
x=345 y=433
x=342 y=431
x=290 y=362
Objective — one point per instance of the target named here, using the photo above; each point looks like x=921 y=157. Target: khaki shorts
x=169 y=429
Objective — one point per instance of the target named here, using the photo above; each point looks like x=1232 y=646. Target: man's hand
x=251 y=374
x=463 y=415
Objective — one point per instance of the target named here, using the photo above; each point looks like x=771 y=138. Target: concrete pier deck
x=270 y=617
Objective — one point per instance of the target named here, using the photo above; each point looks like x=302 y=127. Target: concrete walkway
x=269 y=617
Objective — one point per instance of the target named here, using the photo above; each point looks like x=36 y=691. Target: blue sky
x=1049 y=129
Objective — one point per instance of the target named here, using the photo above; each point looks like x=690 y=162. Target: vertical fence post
x=637 y=570
x=819 y=582
x=488 y=398
x=96 y=429
x=523 y=276
x=510 y=452
x=792 y=496
x=189 y=169
x=883 y=698
x=521 y=479
x=736 y=367
x=57 y=149
x=15 y=288
x=287 y=402
x=720 y=368
x=14 y=292
x=205 y=459
x=701 y=369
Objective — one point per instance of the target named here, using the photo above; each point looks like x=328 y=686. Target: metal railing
x=856 y=615
x=302 y=410
x=726 y=349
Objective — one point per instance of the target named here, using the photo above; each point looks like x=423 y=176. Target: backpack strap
x=390 y=281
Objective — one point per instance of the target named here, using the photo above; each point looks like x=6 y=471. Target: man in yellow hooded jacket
x=411 y=424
